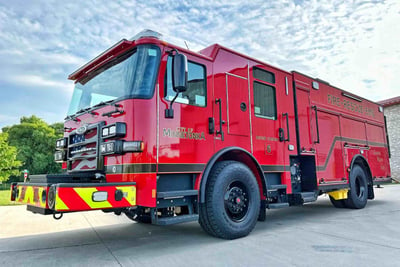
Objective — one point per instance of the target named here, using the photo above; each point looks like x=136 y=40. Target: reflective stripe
x=129 y=193
x=32 y=195
x=28 y=196
x=87 y=193
x=60 y=205
x=77 y=198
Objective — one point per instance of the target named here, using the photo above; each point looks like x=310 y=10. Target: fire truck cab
x=167 y=135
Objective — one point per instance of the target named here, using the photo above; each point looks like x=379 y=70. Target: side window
x=264 y=94
x=263 y=75
x=264 y=101
x=196 y=92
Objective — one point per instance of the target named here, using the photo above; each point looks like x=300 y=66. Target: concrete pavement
x=315 y=234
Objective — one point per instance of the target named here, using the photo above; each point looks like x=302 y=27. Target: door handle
x=211 y=125
x=282 y=132
x=316 y=123
x=221 y=122
x=287 y=126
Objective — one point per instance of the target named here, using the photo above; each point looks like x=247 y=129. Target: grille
x=83 y=149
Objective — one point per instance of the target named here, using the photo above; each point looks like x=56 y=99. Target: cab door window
x=196 y=92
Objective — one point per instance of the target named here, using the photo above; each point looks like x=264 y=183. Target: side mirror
x=179 y=73
x=179 y=79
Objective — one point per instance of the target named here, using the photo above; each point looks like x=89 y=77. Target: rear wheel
x=358 y=195
x=232 y=201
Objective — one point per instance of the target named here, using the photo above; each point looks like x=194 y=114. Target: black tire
x=203 y=220
x=357 y=197
x=340 y=204
x=232 y=201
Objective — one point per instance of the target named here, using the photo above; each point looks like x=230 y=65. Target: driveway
x=316 y=234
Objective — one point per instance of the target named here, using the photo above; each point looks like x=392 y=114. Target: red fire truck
x=167 y=135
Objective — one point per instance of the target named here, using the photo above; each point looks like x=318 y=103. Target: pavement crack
x=102 y=241
x=353 y=239
x=49 y=248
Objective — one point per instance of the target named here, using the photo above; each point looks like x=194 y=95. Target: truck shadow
x=132 y=241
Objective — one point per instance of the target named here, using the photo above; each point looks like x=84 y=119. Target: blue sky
x=353 y=45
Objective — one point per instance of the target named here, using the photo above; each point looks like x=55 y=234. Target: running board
x=301 y=198
x=308 y=197
x=177 y=219
x=177 y=194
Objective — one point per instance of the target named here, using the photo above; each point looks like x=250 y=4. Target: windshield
x=131 y=75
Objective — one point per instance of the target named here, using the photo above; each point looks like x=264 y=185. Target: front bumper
x=48 y=198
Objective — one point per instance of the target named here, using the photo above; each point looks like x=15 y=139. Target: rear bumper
x=45 y=198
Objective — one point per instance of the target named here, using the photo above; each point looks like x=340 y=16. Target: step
x=274 y=187
x=177 y=219
x=278 y=205
x=177 y=194
x=308 y=197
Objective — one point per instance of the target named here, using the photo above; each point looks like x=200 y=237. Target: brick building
x=392 y=113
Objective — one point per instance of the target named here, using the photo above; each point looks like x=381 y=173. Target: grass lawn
x=5 y=198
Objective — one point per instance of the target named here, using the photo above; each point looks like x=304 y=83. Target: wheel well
x=362 y=161
x=236 y=154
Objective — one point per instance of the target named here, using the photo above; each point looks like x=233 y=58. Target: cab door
x=273 y=121
x=185 y=144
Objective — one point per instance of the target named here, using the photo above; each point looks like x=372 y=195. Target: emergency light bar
x=146 y=33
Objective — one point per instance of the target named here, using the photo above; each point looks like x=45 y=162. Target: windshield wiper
x=73 y=116
x=82 y=110
x=103 y=103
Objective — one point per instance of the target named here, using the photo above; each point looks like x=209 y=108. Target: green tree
x=8 y=159
x=58 y=128
x=35 y=143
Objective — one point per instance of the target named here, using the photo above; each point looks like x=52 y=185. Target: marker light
x=99 y=196
x=61 y=143
x=114 y=130
x=59 y=156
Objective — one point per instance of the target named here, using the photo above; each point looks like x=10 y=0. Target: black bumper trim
x=39 y=210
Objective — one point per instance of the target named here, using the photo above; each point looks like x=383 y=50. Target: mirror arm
x=169 y=112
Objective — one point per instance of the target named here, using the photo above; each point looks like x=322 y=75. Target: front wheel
x=358 y=195
x=232 y=201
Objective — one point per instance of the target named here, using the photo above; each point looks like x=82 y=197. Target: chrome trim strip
x=286 y=85
x=249 y=104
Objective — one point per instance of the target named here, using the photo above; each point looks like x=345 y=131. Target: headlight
x=114 y=130
x=120 y=147
x=60 y=156
x=112 y=147
x=105 y=132
x=61 y=143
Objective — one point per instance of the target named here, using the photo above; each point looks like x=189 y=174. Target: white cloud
x=39 y=82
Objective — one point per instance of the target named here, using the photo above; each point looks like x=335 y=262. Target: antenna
x=186 y=45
